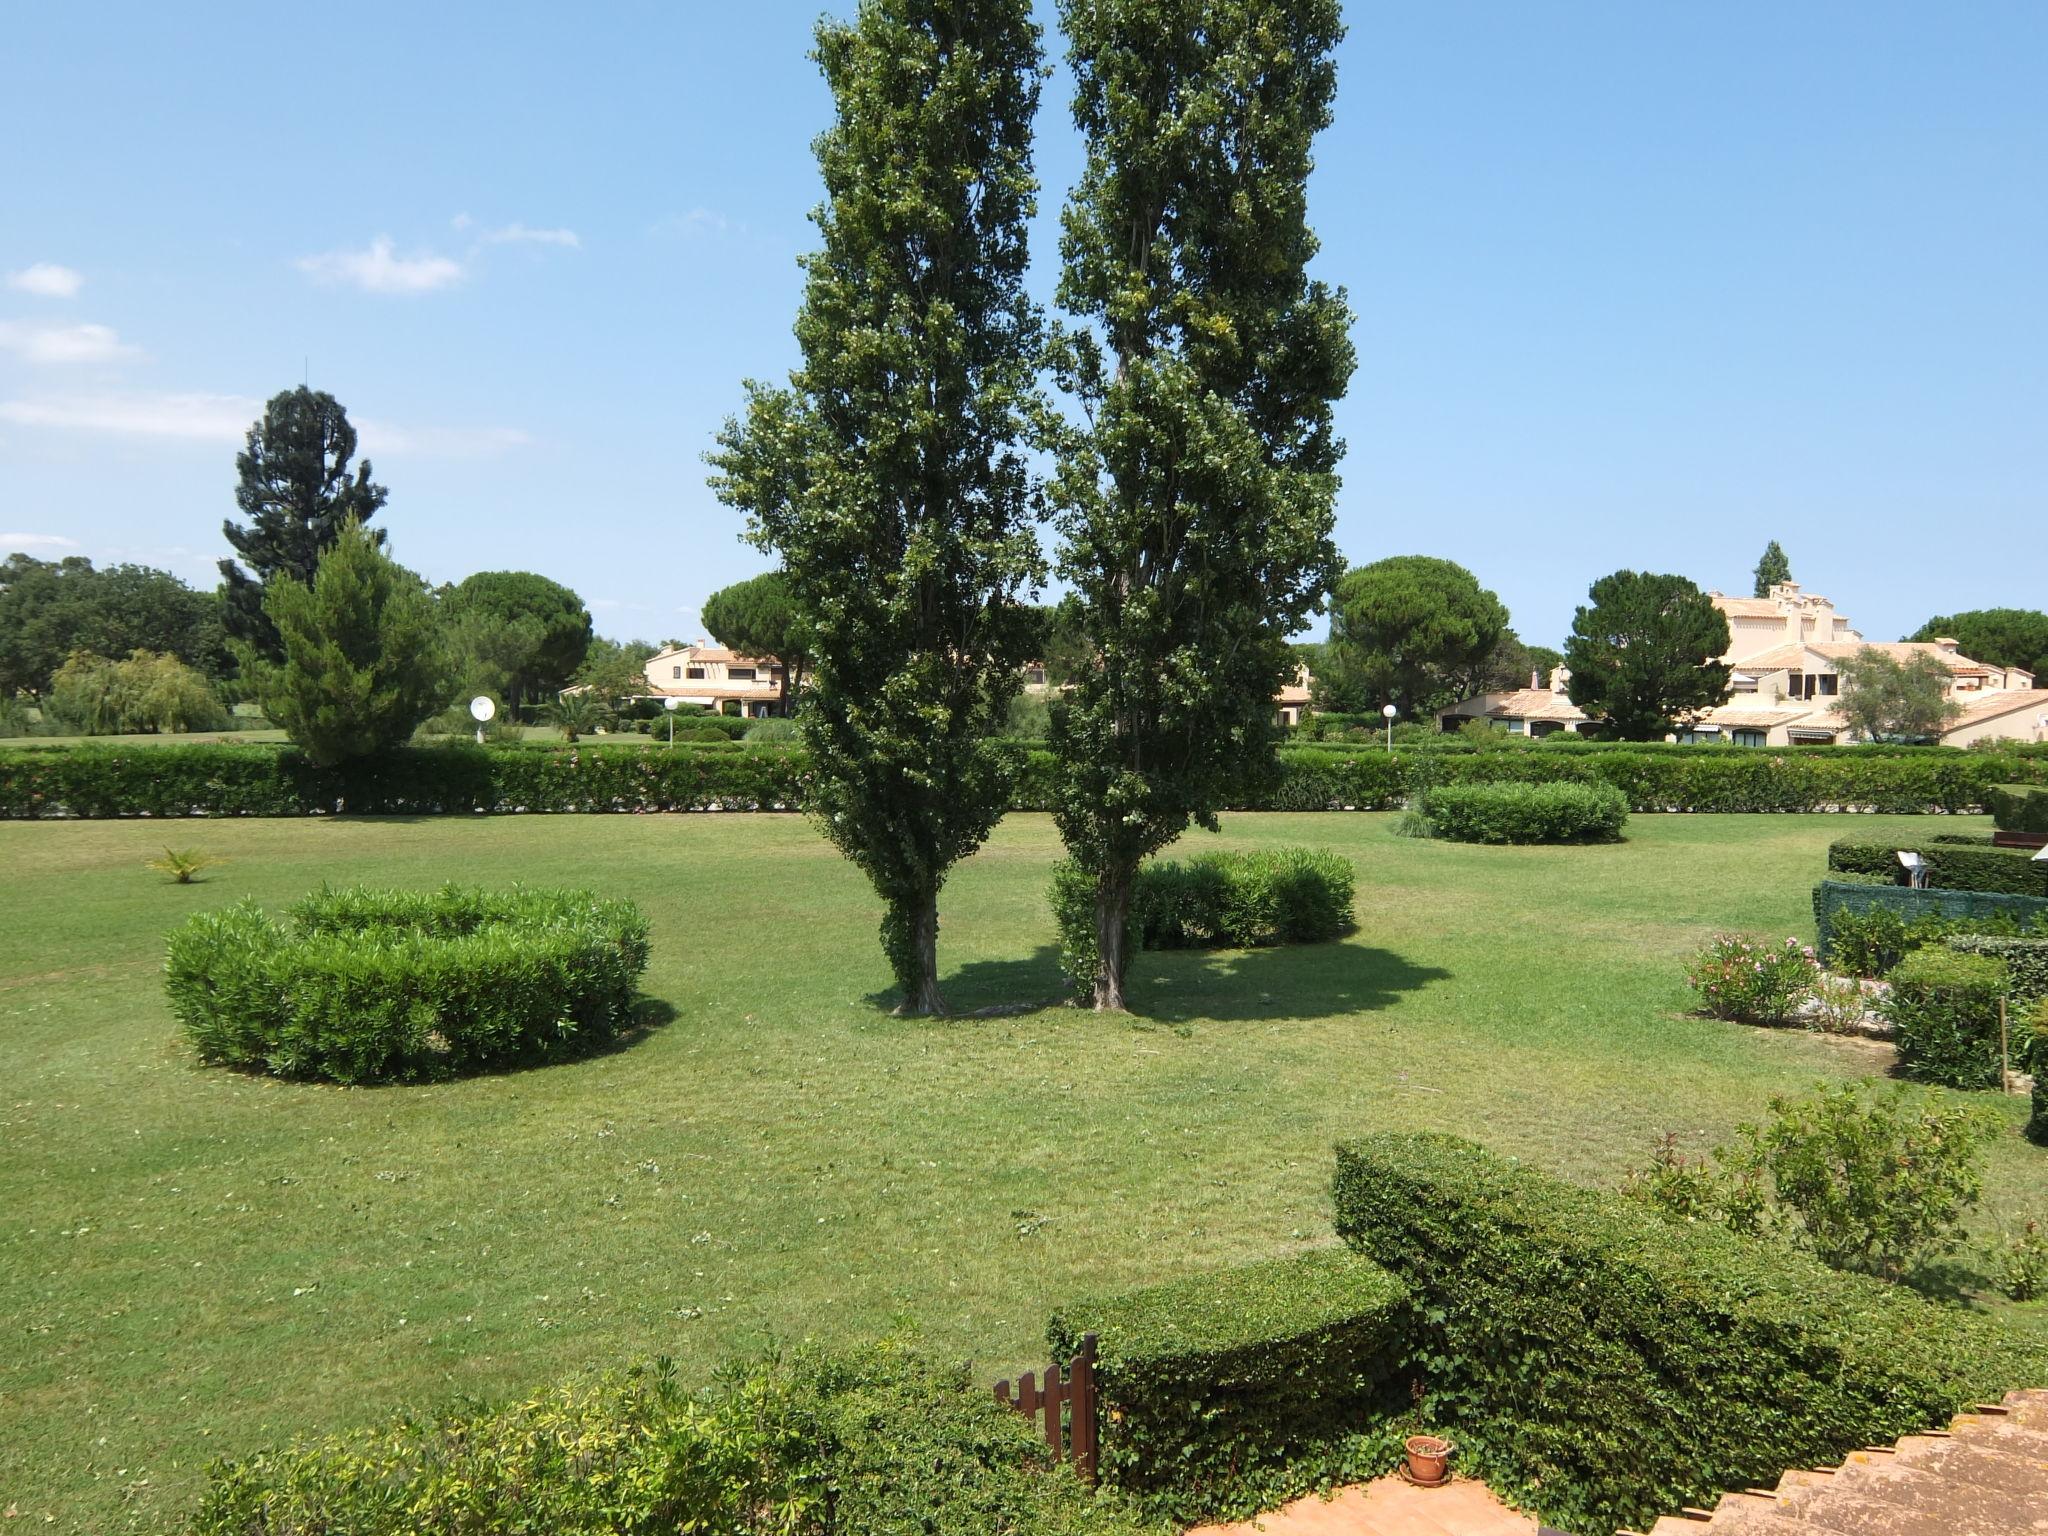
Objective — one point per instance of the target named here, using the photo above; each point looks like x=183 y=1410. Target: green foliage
x=578 y=714
x=1409 y=630
x=766 y=731
x=1645 y=655
x=292 y=481
x=1751 y=981
x=2018 y=807
x=1523 y=813
x=2023 y=1262
x=760 y=617
x=1865 y=930
x=363 y=986
x=1885 y=699
x=888 y=475
x=142 y=692
x=363 y=661
x=1951 y=866
x=1214 y=900
x=1195 y=504
x=50 y=609
x=1225 y=1393
x=2025 y=961
x=853 y=1444
x=515 y=634
x=182 y=866
x=1771 y=569
x=1998 y=637
x=614 y=669
x=1604 y=1367
x=1943 y=1007
x=2037 y=1124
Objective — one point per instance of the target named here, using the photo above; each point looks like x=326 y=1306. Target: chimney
x=1535 y=679
x=1559 y=677
x=1946 y=646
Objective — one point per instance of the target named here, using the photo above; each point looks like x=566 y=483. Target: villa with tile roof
x=716 y=678
x=1783 y=652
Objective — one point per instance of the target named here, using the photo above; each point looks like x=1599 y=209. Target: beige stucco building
x=1782 y=653
x=716 y=678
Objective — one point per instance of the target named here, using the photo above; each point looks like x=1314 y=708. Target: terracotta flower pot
x=1428 y=1460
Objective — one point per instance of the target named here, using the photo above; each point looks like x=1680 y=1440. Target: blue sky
x=1637 y=285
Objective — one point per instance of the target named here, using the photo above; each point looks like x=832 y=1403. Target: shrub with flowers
x=1752 y=981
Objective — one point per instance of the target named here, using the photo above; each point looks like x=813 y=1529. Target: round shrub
x=379 y=986
x=1523 y=813
x=1751 y=981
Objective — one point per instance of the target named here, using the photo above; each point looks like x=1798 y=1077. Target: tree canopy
x=1644 y=655
x=1886 y=699
x=144 y=691
x=1412 y=631
x=760 y=617
x=364 y=659
x=515 y=634
x=1998 y=637
x=1772 y=569
x=294 y=483
x=887 y=476
x=51 y=608
x=1195 y=499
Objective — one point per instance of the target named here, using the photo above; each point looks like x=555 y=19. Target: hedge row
x=2018 y=807
x=1943 y=1009
x=1607 y=1367
x=1521 y=813
x=2025 y=961
x=1853 y=917
x=845 y=1444
x=2037 y=1126
x=1953 y=864
x=405 y=986
x=251 y=780
x=1226 y=1393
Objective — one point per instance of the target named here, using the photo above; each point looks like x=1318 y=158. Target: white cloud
x=520 y=234
x=62 y=343
x=46 y=280
x=380 y=270
x=192 y=417
x=28 y=541
x=698 y=222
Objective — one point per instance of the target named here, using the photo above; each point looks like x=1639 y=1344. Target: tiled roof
x=1992 y=705
x=1783 y=658
x=1749 y=607
x=1523 y=704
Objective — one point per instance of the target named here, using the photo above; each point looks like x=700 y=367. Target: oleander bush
x=1211 y=901
x=1604 y=1366
x=1521 y=813
x=375 y=986
x=1943 y=1008
x=1752 y=981
x=1226 y=1393
x=854 y=1443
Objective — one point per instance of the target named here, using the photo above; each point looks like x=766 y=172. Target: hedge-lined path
x=1388 y=1507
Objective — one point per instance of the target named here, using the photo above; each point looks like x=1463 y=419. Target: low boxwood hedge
x=1953 y=864
x=2037 y=1126
x=1605 y=1366
x=2025 y=961
x=1522 y=813
x=1226 y=1393
x=1215 y=900
x=1943 y=1009
x=1866 y=929
x=368 y=986
x=2018 y=807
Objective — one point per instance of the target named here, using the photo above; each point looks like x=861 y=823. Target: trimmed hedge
x=369 y=986
x=2025 y=961
x=1216 y=900
x=1605 y=1366
x=1952 y=864
x=1851 y=915
x=1226 y=1393
x=2037 y=1126
x=846 y=1444
x=1943 y=1008
x=1523 y=813
x=2018 y=807
x=637 y=774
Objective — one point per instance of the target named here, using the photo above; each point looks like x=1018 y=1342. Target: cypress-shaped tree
x=294 y=484
x=1772 y=569
x=1196 y=502
x=887 y=475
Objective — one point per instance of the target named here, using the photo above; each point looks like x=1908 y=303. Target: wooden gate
x=1072 y=1434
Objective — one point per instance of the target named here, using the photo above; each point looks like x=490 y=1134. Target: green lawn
x=193 y=1262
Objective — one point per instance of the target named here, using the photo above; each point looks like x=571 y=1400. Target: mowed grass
x=194 y=1262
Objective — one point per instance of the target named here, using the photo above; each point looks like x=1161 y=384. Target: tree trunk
x=1112 y=931
x=921 y=993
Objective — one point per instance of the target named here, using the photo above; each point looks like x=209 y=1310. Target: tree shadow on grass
x=1289 y=981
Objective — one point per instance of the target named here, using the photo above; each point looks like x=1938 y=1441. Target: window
x=739 y=674
x=678 y=671
x=1749 y=738
x=1035 y=676
x=697 y=674
x=1828 y=684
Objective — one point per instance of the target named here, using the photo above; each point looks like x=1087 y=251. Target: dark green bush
x=1213 y=901
x=1944 y=1009
x=1523 y=813
x=1605 y=1366
x=1953 y=864
x=364 y=986
x=849 y=1444
x=1865 y=930
x=1225 y=1393
x=2025 y=961
x=2018 y=807
x=2037 y=1126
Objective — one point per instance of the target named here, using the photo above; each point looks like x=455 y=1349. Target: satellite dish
x=481 y=708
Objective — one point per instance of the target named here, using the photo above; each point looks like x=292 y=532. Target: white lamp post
x=672 y=705
x=482 y=710
x=1387 y=713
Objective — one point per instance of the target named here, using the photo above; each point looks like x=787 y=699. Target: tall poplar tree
x=294 y=483
x=886 y=475
x=1196 y=502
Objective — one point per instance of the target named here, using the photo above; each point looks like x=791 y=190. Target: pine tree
x=1772 y=569
x=294 y=485
x=1645 y=655
x=886 y=475
x=1196 y=502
